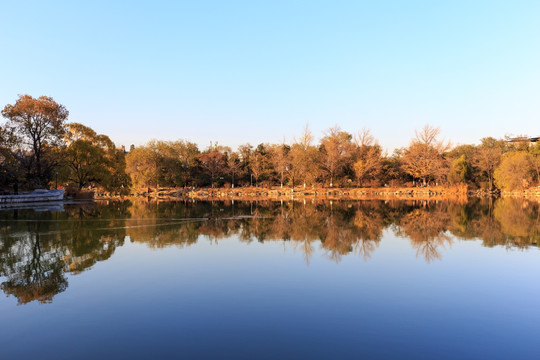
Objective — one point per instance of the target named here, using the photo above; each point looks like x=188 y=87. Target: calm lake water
x=271 y=280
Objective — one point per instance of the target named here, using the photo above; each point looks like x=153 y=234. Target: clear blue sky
x=256 y=71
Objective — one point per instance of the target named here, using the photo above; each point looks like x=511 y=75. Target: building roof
x=523 y=139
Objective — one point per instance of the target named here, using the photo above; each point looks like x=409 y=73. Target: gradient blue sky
x=256 y=71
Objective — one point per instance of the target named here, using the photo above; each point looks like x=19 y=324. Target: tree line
x=38 y=148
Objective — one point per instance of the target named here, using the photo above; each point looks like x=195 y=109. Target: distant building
x=530 y=140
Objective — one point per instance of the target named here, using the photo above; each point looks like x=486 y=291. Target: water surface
x=366 y=279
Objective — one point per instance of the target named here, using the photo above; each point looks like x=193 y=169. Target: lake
x=271 y=280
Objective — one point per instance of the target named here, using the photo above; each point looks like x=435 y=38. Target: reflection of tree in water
x=34 y=270
x=509 y=222
x=306 y=227
x=37 y=249
x=302 y=224
x=425 y=229
x=171 y=223
x=519 y=222
x=370 y=223
x=338 y=238
x=342 y=227
x=484 y=226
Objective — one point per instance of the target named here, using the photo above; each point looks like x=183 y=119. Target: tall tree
x=186 y=155
x=364 y=138
x=423 y=159
x=213 y=161
x=368 y=162
x=336 y=149
x=535 y=158
x=40 y=125
x=245 y=152
x=304 y=157
x=233 y=165
x=488 y=157
x=460 y=171
x=10 y=169
x=280 y=159
x=143 y=164
x=515 y=171
x=83 y=156
x=259 y=163
x=93 y=158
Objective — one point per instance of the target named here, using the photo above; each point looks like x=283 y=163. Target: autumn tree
x=488 y=157
x=118 y=180
x=304 y=157
x=93 y=158
x=245 y=153
x=392 y=172
x=143 y=164
x=461 y=162
x=10 y=169
x=186 y=158
x=163 y=163
x=294 y=170
x=84 y=156
x=368 y=165
x=39 y=124
x=280 y=160
x=336 y=151
x=424 y=158
x=233 y=165
x=213 y=161
x=460 y=171
x=368 y=162
x=515 y=171
x=260 y=164
x=535 y=158
x=168 y=164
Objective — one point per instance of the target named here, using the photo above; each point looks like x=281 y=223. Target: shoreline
x=299 y=193
x=455 y=193
x=337 y=194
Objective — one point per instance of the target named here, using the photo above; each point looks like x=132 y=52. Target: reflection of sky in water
x=261 y=300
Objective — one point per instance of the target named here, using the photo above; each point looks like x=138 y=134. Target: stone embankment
x=253 y=193
x=454 y=193
x=533 y=193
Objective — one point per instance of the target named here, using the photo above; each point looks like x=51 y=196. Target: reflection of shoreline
x=448 y=193
x=532 y=194
x=383 y=193
x=439 y=193
x=38 y=248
